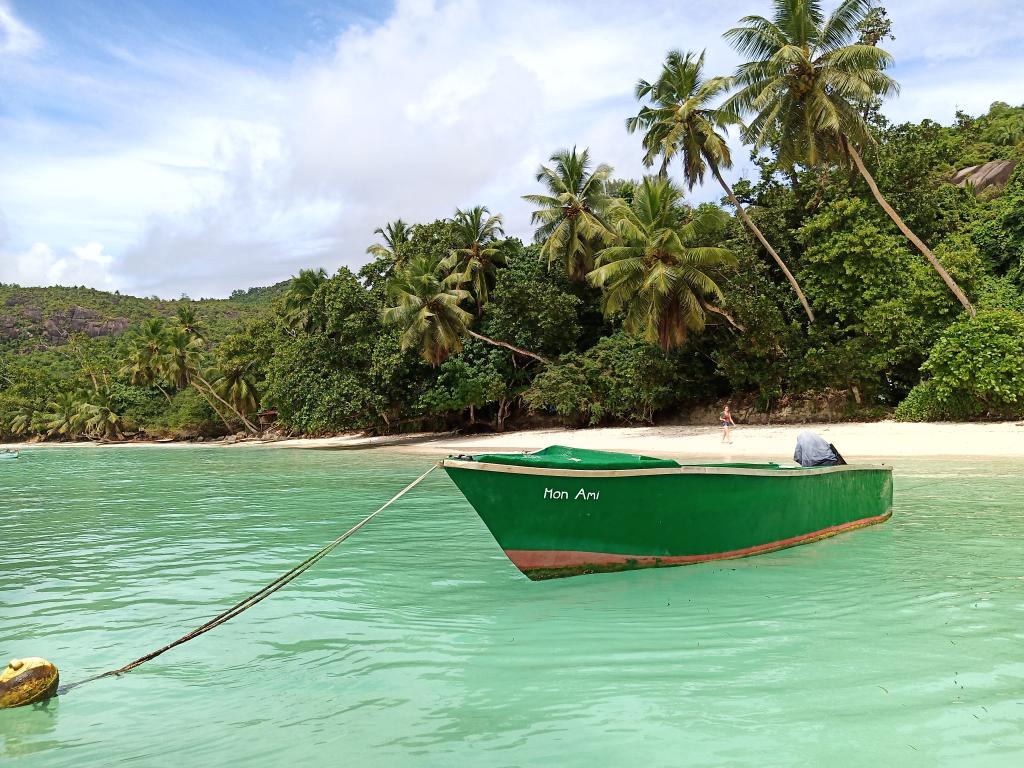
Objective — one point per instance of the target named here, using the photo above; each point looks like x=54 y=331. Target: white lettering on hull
x=581 y=495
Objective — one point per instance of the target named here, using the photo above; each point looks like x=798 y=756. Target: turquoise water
x=417 y=642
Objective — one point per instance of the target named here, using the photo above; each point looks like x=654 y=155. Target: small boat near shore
x=567 y=511
x=8 y=453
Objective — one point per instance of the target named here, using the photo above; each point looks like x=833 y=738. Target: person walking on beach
x=726 y=420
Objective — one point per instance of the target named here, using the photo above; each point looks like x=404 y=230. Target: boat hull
x=553 y=522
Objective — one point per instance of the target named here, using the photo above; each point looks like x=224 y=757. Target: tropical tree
x=569 y=216
x=806 y=86
x=21 y=420
x=63 y=416
x=235 y=385
x=186 y=318
x=656 y=273
x=425 y=305
x=396 y=235
x=476 y=255
x=681 y=121
x=143 y=359
x=99 y=417
x=181 y=363
x=299 y=297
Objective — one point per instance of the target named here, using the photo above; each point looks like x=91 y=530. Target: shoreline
x=856 y=441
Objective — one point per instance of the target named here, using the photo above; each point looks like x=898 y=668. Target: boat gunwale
x=514 y=469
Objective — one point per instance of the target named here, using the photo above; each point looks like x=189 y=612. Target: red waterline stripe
x=528 y=559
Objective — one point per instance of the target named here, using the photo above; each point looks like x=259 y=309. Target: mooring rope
x=255 y=597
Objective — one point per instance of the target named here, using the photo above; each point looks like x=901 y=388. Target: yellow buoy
x=25 y=681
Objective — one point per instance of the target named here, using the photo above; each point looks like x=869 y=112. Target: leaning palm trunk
x=248 y=424
x=757 y=233
x=213 y=405
x=506 y=345
x=924 y=249
x=163 y=392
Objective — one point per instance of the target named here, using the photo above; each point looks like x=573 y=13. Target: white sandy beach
x=856 y=441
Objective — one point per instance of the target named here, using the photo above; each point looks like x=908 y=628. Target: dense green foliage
x=631 y=305
x=976 y=369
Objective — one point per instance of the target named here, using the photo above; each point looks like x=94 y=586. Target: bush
x=317 y=387
x=977 y=369
x=564 y=389
x=187 y=415
x=622 y=376
x=919 y=405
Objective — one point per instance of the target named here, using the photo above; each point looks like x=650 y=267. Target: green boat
x=567 y=511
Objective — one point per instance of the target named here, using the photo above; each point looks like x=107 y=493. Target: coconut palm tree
x=100 y=419
x=475 y=257
x=805 y=88
x=63 y=416
x=235 y=384
x=181 y=363
x=396 y=235
x=569 y=216
x=179 y=357
x=656 y=272
x=20 y=421
x=681 y=121
x=299 y=297
x=425 y=305
x=142 y=366
x=187 y=319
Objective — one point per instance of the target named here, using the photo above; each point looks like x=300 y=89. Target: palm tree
x=425 y=305
x=299 y=297
x=475 y=257
x=656 y=273
x=100 y=419
x=806 y=86
x=235 y=385
x=142 y=366
x=63 y=416
x=21 y=420
x=181 y=363
x=187 y=319
x=396 y=235
x=179 y=357
x=680 y=121
x=570 y=214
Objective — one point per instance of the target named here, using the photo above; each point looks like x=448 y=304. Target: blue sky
x=173 y=146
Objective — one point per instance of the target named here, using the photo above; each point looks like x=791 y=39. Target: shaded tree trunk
x=761 y=238
x=503 y=409
x=216 y=410
x=506 y=345
x=949 y=281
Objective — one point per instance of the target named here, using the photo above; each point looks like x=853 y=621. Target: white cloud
x=42 y=265
x=203 y=175
x=15 y=37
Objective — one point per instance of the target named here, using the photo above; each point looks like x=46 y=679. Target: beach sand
x=856 y=441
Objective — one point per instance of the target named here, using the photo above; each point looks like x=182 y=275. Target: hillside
x=35 y=319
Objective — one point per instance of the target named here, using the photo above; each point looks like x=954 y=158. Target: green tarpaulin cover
x=563 y=457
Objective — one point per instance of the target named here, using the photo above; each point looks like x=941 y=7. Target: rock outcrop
x=991 y=174
x=28 y=321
